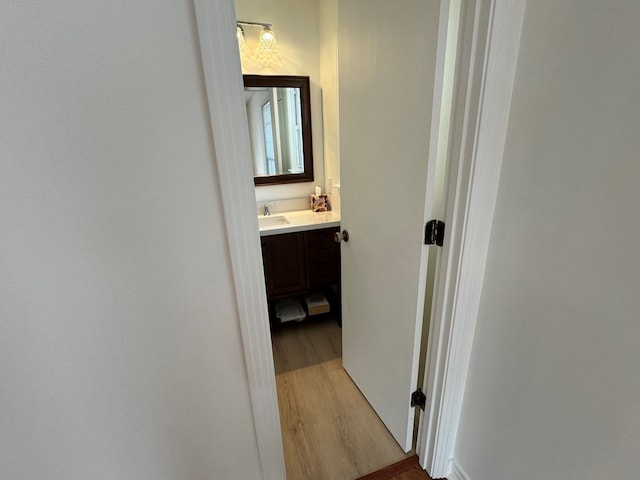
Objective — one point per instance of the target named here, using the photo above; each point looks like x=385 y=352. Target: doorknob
x=340 y=236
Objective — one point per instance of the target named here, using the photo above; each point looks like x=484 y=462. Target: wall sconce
x=267 y=45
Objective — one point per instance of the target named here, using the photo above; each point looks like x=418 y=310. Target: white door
x=386 y=64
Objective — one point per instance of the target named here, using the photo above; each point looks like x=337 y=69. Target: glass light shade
x=242 y=45
x=267 y=46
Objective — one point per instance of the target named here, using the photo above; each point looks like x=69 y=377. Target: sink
x=272 y=221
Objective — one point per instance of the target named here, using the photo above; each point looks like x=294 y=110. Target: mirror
x=279 y=116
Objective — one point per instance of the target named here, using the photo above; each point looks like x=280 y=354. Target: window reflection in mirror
x=279 y=116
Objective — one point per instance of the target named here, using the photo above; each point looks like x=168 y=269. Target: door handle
x=341 y=236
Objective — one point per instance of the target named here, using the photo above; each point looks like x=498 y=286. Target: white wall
x=553 y=389
x=296 y=26
x=328 y=17
x=120 y=352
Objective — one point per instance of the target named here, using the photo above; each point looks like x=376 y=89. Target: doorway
x=401 y=167
x=483 y=97
x=396 y=164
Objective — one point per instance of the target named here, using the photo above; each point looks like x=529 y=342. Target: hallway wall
x=553 y=389
x=120 y=350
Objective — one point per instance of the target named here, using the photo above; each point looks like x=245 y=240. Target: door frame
x=488 y=45
x=486 y=70
x=224 y=90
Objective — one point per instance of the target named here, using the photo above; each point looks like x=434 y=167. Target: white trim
x=430 y=192
x=490 y=41
x=225 y=96
x=457 y=472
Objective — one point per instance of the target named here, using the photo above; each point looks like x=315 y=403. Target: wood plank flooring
x=329 y=430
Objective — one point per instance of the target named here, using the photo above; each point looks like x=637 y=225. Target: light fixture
x=267 y=46
x=242 y=45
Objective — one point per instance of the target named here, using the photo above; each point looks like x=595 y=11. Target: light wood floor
x=329 y=430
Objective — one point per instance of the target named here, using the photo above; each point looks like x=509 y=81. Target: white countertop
x=300 y=221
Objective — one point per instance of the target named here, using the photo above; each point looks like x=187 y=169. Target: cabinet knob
x=341 y=236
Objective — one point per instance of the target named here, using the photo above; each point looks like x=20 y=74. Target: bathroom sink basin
x=272 y=221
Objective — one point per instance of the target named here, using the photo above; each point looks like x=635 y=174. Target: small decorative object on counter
x=319 y=203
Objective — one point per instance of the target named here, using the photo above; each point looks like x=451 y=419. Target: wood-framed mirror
x=279 y=116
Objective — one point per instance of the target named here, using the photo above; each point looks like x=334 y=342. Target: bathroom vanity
x=301 y=256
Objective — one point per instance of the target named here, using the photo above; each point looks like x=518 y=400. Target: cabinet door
x=323 y=257
x=283 y=257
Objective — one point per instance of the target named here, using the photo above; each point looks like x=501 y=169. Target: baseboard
x=457 y=472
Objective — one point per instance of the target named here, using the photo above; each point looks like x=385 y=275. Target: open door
x=387 y=67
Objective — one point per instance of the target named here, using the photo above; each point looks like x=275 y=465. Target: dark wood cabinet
x=283 y=258
x=322 y=256
x=296 y=263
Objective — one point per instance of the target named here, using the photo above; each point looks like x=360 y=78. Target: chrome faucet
x=266 y=210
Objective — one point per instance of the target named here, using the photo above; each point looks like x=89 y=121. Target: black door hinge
x=419 y=399
x=434 y=233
